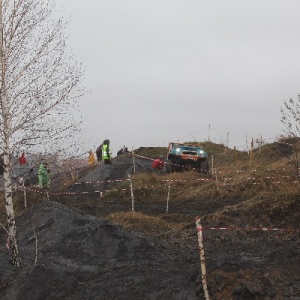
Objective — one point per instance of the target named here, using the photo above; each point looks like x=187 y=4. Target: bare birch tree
x=40 y=87
x=290 y=116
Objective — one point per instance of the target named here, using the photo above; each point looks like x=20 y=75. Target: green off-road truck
x=183 y=157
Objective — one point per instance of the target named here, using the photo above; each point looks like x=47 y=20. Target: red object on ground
x=158 y=164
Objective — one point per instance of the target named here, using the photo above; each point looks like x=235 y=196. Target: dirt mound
x=104 y=177
x=83 y=257
x=151 y=254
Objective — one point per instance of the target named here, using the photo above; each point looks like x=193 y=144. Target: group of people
x=123 y=150
x=43 y=170
x=103 y=154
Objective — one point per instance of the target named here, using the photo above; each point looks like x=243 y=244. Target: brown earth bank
x=78 y=245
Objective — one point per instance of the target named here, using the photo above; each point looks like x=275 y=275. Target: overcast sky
x=170 y=70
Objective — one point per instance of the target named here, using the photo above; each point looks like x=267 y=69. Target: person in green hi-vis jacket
x=43 y=175
x=106 y=152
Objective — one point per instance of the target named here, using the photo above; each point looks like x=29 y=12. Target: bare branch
x=40 y=86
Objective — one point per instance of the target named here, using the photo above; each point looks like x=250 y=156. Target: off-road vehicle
x=183 y=157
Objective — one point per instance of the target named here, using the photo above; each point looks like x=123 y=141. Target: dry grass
x=246 y=190
x=158 y=225
x=269 y=172
x=266 y=181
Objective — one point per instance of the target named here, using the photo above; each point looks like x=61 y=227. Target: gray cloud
x=166 y=70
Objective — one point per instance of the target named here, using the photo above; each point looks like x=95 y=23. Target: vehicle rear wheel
x=169 y=167
x=204 y=168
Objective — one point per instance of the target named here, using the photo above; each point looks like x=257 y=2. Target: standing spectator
x=124 y=149
x=106 y=152
x=22 y=159
x=99 y=153
x=91 y=158
x=43 y=175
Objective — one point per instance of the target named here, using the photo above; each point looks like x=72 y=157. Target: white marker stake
x=132 y=196
x=24 y=192
x=168 y=198
x=202 y=257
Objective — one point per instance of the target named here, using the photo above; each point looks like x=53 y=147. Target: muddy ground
x=82 y=246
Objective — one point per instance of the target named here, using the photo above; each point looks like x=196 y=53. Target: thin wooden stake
x=36 y=247
x=24 y=191
x=168 y=198
x=133 y=161
x=47 y=195
x=251 y=153
x=202 y=257
x=132 y=195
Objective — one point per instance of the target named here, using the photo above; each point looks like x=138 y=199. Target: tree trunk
x=38 y=78
x=12 y=242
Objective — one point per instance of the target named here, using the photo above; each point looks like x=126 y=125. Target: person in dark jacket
x=99 y=153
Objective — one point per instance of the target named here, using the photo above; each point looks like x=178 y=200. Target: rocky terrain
x=81 y=244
